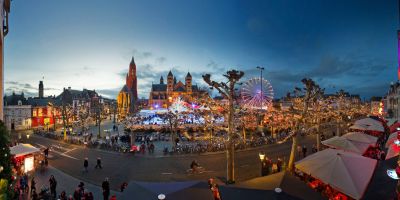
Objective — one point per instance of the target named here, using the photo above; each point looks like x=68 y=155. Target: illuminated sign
x=28 y=164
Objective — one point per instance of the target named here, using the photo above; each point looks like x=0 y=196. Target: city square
x=215 y=100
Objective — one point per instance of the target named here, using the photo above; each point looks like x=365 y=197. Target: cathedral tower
x=170 y=82
x=188 y=82
x=131 y=79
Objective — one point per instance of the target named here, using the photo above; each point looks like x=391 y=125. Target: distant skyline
x=350 y=45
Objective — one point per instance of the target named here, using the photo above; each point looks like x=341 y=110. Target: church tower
x=41 y=89
x=131 y=79
x=162 y=80
x=170 y=82
x=188 y=83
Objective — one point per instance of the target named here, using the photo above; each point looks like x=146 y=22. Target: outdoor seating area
x=345 y=169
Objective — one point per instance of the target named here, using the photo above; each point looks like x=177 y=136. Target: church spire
x=133 y=60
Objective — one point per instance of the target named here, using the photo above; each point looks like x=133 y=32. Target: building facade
x=45 y=111
x=392 y=102
x=377 y=106
x=17 y=112
x=162 y=94
x=127 y=98
x=5 y=6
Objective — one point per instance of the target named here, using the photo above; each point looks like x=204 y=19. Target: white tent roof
x=347 y=172
x=23 y=149
x=360 y=137
x=391 y=121
x=346 y=145
x=368 y=124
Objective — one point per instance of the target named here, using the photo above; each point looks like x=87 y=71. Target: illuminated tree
x=310 y=93
x=5 y=162
x=227 y=90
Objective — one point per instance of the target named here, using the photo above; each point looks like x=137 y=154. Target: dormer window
x=19 y=102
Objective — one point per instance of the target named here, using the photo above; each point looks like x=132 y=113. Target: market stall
x=24 y=156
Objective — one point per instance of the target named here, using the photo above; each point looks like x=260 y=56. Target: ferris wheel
x=257 y=93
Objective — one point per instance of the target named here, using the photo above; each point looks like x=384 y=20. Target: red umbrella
x=393 y=127
x=134 y=148
x=393 y=151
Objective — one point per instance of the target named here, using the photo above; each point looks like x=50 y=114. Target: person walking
x=279 y=165
x=53 y=186
x=98 y=163
x=299 y=149
x=46 y=152
x=33 y=184
x=314 y=148
x=304 y=151
x=86 y=165
x=63 y=196
x=106 y=189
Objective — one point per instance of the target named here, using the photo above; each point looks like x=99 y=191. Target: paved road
x=125 y=167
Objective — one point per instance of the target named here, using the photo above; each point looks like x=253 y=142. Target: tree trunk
x=64 y=113
x=292 y=153
x=230 y=154
x=338 y=128
x=318 y=134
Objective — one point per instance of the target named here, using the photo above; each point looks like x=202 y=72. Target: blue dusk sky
x=341 y=44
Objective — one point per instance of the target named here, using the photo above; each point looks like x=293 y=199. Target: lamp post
x=261 y=88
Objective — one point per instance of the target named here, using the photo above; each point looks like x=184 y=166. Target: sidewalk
x=67 y=183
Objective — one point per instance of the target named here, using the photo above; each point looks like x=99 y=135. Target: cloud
x=351 y=65
x=161 y=60
x=11 y=82
x=26 y=88
x=109 y=93
x=147 y=54
x=87 y=68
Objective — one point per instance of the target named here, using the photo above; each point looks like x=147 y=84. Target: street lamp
x=262 y=156
x=261 y=88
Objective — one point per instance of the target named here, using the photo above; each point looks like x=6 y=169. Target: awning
x=23 y=149
x=193 y=190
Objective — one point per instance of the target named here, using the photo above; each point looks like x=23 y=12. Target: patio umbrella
x=360 y=137
x=390 y=122
x=347 y=145
x=393 y=151
x=368 y=124
x=193 y=190
x=289 y=183
x=347 y=172
x=393 y=127
x=233 y=193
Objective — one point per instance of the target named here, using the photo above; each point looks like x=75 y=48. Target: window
x=34 y=113
x=19 y=102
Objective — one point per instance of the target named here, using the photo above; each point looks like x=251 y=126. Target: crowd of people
x=23 y=190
